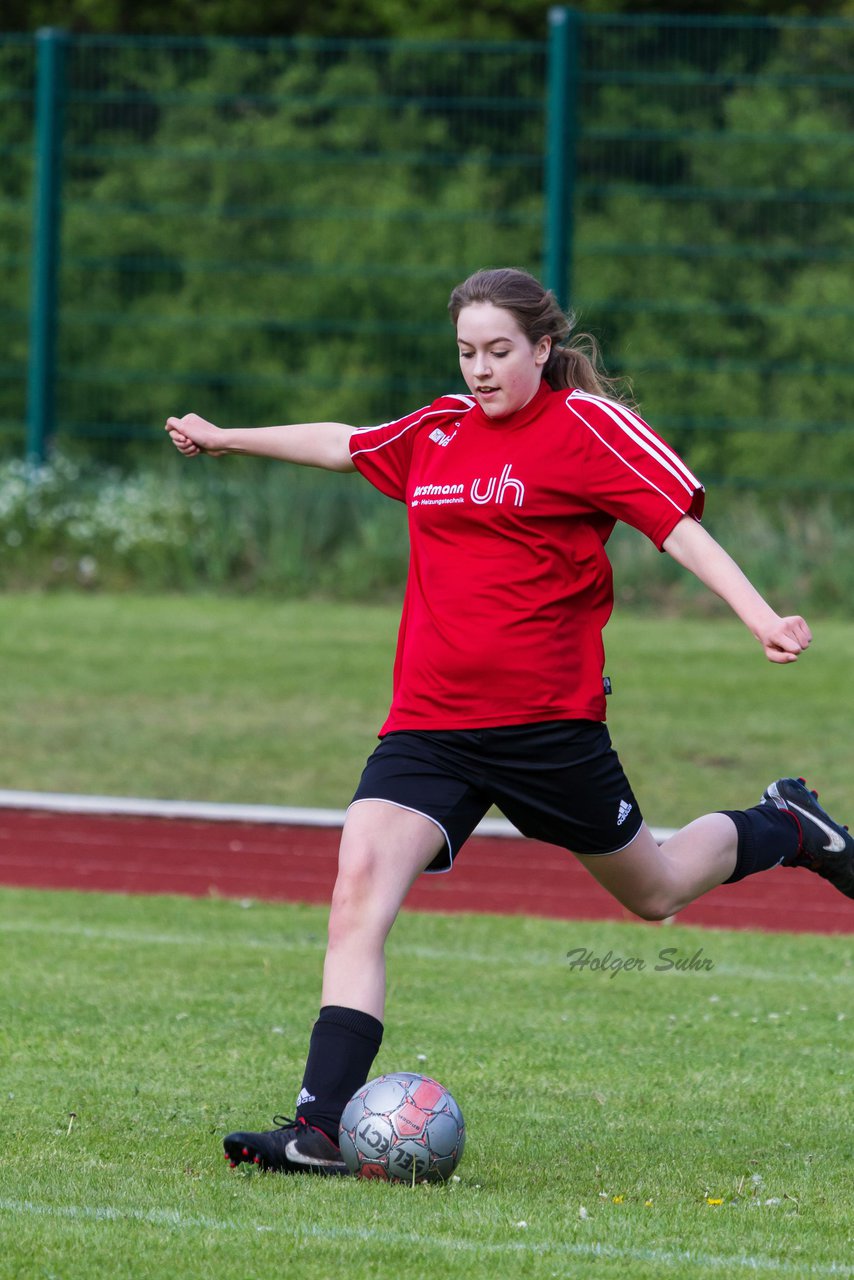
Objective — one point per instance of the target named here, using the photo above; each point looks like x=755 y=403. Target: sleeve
x=383 y=454
x=630 y=472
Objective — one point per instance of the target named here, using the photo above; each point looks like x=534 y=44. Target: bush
x=251 y=528
x=286 y=531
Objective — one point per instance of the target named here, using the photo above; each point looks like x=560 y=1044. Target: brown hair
x=539 y=315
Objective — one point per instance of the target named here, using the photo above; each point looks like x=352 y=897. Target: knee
x=356 y=897
x=654 y=906
x=350 y=899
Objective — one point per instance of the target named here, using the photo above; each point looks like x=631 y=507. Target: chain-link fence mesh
x=268 y=230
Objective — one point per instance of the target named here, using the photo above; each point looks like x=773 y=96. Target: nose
x=481 y=364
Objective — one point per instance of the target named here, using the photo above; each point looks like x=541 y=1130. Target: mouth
x=486 y=391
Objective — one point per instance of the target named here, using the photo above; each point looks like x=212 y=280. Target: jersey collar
x=521 y=418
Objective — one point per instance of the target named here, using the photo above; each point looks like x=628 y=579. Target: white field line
x=664 y=1258
x=201 y=811
x=417 y=951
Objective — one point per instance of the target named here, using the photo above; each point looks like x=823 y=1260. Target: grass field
x=279 y=703
x=683 y=1122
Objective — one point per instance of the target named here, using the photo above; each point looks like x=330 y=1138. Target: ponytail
x=579 y=364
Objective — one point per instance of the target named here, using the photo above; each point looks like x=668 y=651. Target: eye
x=499 y=355
x=466 y=355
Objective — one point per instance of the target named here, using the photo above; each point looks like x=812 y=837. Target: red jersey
x=509 y=584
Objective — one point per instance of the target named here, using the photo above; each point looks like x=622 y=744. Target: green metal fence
x=268 y=230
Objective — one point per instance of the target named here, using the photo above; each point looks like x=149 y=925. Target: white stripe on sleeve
x=637 y=430
x=427 y=413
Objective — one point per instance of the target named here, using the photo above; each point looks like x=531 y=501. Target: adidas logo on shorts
x=304 y=1097
x=623 y=812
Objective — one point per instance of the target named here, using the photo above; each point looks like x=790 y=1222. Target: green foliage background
x=268 y=229
x=502 y=19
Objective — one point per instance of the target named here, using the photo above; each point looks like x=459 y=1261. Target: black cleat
x=294 y=1147
x=826 y=847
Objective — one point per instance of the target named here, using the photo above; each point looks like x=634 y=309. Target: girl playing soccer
x=512 y=492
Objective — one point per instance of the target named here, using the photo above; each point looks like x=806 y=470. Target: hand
x=784 y=639
x=192 y=435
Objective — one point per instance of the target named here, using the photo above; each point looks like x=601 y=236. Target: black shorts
x=560 y=781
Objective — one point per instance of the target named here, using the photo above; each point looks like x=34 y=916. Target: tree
x=399 y=19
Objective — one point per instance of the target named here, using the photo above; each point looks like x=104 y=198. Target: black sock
x=767 y=836
x=343 y=1045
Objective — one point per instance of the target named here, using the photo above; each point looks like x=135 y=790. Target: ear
x=542 y=350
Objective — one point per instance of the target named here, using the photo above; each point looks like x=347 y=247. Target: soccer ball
x=402 y=1127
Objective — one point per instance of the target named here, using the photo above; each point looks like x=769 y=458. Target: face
x=501 y=367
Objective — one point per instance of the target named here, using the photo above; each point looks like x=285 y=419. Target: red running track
x=297 y=864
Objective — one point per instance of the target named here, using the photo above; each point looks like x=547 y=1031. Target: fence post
x=561 y=136
x=51 y=48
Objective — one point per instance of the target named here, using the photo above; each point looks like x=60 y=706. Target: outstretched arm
x=310 y=444
x=781 y=638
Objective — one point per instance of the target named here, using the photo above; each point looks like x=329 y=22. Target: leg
x=383 y=850
x=657 y=881
x=788 y=827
